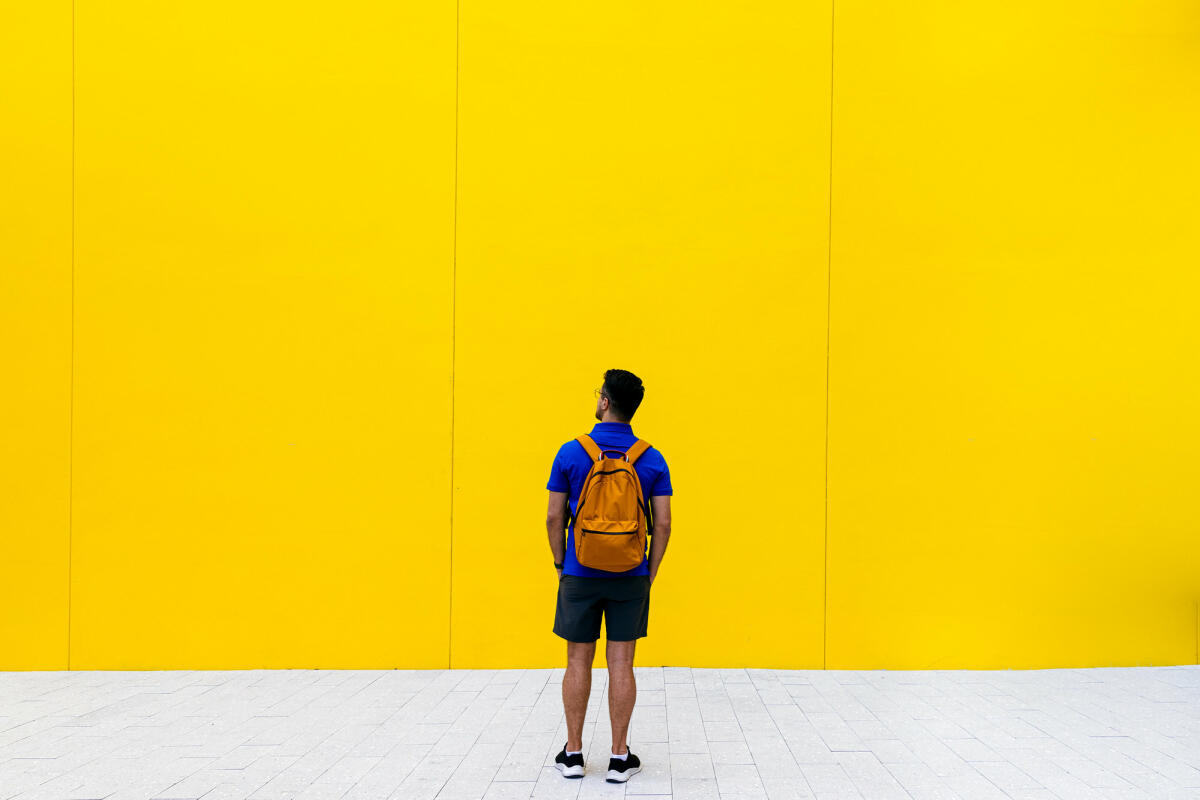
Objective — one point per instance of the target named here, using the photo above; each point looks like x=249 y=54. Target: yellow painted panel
x=1013 y=346
x=645 y=187
x=35 y=334
x=263 y=298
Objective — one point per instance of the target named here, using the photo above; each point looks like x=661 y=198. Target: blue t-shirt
x=571 y=466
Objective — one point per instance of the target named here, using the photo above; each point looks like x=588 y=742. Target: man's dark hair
x=625 y=392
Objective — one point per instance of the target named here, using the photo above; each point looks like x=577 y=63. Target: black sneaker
x=620 y=770
x=569 y=766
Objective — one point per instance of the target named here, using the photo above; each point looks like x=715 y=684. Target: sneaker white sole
x=621 y=777
x=570 y=772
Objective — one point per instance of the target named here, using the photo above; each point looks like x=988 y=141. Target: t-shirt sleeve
x=558 y=475
x=662 y=484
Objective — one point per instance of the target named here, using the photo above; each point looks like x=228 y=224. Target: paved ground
x=715 y=734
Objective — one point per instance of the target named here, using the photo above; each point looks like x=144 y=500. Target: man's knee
x=581 y=654
x=620 y=654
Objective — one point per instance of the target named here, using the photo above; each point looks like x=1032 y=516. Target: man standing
x=584 y=593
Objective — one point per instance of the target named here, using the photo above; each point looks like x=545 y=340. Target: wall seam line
x=453 y=336
x=828 y=304
x=71 y=390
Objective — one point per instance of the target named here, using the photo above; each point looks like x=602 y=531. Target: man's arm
x=556 y=525
x=661 y=506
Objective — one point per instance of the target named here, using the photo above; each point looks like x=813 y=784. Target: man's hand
x=559 y=571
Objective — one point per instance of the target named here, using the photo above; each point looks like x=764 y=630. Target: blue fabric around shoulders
x=571 y=466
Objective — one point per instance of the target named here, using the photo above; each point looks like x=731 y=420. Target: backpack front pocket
x=611 y=551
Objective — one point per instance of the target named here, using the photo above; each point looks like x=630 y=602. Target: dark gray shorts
x=624 y=602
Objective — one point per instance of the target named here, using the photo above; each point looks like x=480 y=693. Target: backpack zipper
x=609 y=533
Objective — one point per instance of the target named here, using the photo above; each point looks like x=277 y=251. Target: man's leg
x=576 y=688
x=622 y=691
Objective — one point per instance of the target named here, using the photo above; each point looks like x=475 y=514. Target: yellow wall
x=264 y=244
x=35 y=334
x=342 y=287
x=1014 y=412
x=632 y=195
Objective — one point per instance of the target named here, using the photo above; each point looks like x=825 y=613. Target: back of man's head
x=625 y=392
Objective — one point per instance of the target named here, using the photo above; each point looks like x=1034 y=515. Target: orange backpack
x=611 y=518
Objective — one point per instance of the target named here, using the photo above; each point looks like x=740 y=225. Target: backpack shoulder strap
x=636 y=449
x=592 y=448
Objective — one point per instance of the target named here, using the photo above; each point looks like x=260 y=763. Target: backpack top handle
x=635 y=450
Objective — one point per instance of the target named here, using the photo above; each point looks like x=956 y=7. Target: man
x=584 y=594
